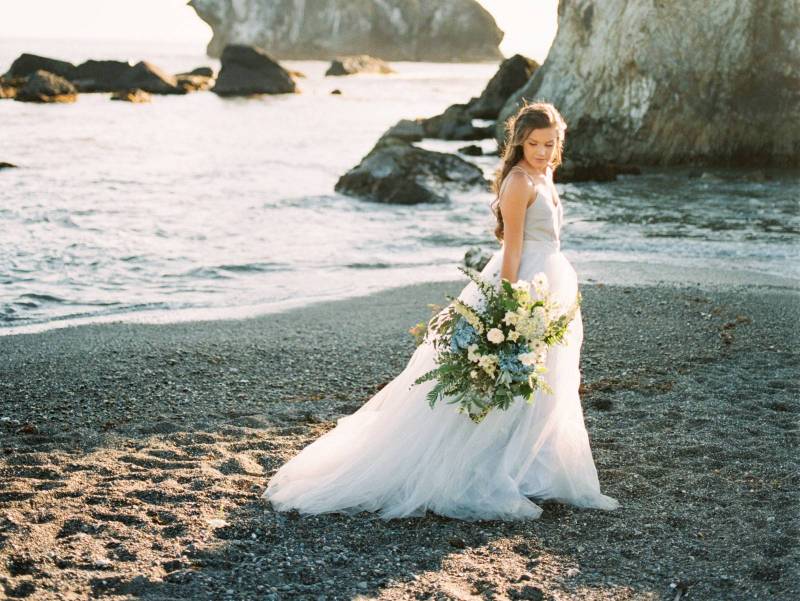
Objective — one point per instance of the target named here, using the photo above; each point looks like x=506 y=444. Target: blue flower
x=463 y=335
x=508 y=361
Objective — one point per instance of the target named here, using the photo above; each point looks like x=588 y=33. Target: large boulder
x=148 y=77
x=362 y=63
x=671 y=83
x=100 y=76
x=248 y=70
x=27 y=64
x=398 y=173
x=47 y=87
x=446 y=30
x=512 y=75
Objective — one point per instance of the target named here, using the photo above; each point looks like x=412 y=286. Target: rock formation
x=397 y=172
x=27 y=64
x=148 y=77
x=657 y=82
x=136 y=96
x=361 y=63
x=43 y=86
x=99 y=76
x=446 y=30
x=248 y=70
x=103 y=76
x=512 y=75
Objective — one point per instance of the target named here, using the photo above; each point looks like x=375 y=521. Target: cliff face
x=662 y=82
x=446 y=30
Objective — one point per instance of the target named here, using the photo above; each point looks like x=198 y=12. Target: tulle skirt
x=397 y=457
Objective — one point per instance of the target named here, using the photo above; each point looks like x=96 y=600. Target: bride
x=398 y=457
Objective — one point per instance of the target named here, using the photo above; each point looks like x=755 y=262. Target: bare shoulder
x=517 y=190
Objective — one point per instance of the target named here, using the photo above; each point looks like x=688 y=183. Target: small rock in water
x=135 y=95
x=472 y=150
x=363 y=63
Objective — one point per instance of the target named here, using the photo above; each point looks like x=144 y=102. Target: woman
x=399 y=457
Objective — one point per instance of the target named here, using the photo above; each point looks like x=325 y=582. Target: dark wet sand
x=134 y=456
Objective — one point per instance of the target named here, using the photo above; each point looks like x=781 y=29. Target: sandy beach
x=134 y=457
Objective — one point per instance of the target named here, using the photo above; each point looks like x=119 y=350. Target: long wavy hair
x=537 y=115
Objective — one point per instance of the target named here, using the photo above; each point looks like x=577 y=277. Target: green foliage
x=477 y=388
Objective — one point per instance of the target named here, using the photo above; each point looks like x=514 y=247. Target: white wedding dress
x=397 y=457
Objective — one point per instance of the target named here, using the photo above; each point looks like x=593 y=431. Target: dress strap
x=505 y=181
x=528 y=175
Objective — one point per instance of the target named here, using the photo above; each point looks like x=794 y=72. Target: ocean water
x=196 y=206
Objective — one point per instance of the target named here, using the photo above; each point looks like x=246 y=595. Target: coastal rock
x=362 y=63
x=196 y=80
x=512 y=75
x=447 y=30
x=407 y=130
x=27 y=64
x=194 y=83
x=596 y=171
x=398 y=173
x=43 y=86
x=656 y=83
x=472 y=150
x=100 y=76
x=199 y=71
x=248 y=70
x=9 y=87
x=131 y=96
x=455 y=124
x=148 y=77
x=4 y=165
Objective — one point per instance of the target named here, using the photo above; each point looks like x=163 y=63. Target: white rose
x=472 y=352
x=495 y=335
x=527 y=358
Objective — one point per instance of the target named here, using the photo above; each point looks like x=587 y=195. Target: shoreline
x=134 y=457
x=591 y=272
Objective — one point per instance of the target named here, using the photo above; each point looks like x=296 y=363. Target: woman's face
x=539 y=147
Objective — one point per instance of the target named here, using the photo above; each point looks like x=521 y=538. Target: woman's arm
x=513 y=204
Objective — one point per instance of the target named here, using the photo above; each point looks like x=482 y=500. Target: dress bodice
x=543 y=218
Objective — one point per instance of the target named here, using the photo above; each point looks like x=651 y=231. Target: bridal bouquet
x=486 y=356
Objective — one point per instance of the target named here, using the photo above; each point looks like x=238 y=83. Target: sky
x=530 y=25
